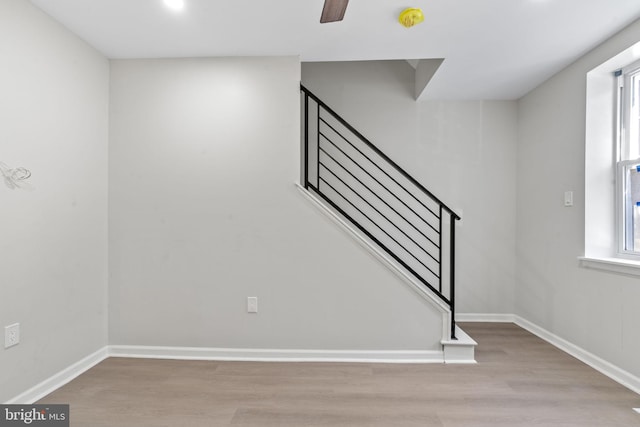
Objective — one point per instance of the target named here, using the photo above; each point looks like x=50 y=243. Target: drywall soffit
x=425 y=70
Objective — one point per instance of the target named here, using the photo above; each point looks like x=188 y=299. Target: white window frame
x=626 y=156
x=602 y=146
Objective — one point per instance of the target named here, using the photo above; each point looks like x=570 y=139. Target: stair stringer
x=460 y=350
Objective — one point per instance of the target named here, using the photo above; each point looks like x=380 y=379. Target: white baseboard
x=224 y=354
x=619 y=375
x=56 y=381
x=270 y=355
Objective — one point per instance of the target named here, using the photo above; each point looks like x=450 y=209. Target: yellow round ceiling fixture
x=410 y=17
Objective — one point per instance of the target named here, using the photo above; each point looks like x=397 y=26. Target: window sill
x=614 y=265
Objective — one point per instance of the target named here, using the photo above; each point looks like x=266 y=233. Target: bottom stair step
x=461 y=350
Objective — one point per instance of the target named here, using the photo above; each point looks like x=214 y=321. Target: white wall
x=53 y=244
x=597 y=311
x=203 y=213
x=462 y=151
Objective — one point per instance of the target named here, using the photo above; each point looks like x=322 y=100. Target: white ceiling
x=492 y=49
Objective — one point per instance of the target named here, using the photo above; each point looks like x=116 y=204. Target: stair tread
x=463 y=339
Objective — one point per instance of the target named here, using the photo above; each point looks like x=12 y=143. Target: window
x=628 y=160
x=612 y=155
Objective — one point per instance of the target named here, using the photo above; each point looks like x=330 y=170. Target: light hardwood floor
x=519 y=381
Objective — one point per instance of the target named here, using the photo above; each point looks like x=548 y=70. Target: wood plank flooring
x=520 y=380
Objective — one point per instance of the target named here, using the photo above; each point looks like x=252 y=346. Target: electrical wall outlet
x=252 y=304
x=11 y=335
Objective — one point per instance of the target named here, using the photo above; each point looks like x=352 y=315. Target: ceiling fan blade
x=333 y=10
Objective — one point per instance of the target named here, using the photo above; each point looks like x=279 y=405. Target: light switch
x=568 y=198
x=252 y=304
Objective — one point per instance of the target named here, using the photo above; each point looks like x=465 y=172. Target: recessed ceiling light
x=174 y=4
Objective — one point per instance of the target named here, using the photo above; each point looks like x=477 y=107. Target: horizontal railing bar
x=379 y=243
x=376 y=224
x=383 y=201
x=375 y=164
x=377 y=151
x=381 y=184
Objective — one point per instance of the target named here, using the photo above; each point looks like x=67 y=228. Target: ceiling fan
x=333 y=10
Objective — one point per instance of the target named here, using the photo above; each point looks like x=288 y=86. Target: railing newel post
x=452 y=265
x=440 y=250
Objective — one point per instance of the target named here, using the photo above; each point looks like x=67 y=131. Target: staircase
x=393 y=215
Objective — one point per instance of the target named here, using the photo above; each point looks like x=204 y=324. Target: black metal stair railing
x=379 y=198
